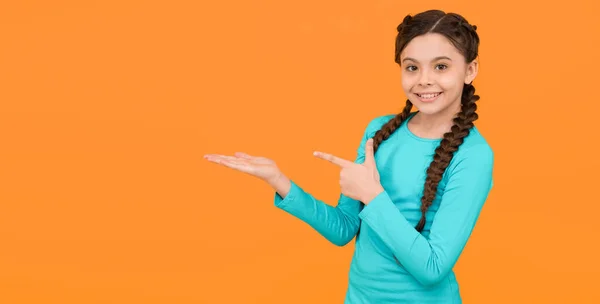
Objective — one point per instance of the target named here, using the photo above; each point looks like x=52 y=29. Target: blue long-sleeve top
x=424 y=273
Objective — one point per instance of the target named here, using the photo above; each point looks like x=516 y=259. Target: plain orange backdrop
x=107 y=108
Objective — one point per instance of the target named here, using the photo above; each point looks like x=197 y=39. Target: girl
x=419 y=181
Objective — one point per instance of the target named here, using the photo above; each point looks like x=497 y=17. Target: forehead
x=427 y=47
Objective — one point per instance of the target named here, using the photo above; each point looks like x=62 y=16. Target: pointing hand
x=357 y=181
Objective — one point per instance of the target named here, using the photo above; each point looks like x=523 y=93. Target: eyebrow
x=434 y=59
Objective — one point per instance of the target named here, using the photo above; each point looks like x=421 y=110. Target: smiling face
x=434 y=73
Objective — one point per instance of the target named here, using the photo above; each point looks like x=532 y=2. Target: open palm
x=258 y=166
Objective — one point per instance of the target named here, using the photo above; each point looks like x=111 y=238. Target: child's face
x=431 y=64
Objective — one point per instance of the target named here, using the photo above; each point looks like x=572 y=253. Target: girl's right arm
x=338 y=224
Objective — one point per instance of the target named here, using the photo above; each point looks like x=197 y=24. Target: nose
x=425 y=78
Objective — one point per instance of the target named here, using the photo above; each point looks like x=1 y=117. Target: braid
x=463 y=123
x=390 y=127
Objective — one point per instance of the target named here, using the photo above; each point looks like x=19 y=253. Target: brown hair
x=464 y=37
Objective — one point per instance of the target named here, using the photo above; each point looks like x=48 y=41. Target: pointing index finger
x=333 y=159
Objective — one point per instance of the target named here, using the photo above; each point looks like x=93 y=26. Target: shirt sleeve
x=339 y=224
x=430 y=259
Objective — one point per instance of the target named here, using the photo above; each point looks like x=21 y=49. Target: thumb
x=369 y=154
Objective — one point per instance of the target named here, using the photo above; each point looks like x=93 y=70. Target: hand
x=257 y=166
x=357 y=181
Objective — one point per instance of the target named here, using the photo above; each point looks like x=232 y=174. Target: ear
x=472 y=69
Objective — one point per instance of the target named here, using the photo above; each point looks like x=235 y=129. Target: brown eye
x=441 y=66
x=411 y=68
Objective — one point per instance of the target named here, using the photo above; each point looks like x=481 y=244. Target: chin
x=429 y=111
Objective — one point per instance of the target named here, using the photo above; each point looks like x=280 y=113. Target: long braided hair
x=464 y=37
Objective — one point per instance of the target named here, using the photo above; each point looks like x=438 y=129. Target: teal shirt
x=425 y=273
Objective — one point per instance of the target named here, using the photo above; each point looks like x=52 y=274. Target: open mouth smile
x=428 y=97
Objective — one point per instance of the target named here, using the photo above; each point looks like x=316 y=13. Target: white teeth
x=429 y=96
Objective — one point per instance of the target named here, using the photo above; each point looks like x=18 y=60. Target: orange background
x=108 y=106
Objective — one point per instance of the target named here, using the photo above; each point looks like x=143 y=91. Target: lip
x=427 y=100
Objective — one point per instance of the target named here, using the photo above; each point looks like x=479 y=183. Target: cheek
x=407 y=83
x=451 y=83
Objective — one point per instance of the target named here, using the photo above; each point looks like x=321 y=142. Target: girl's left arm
x=430 y=259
